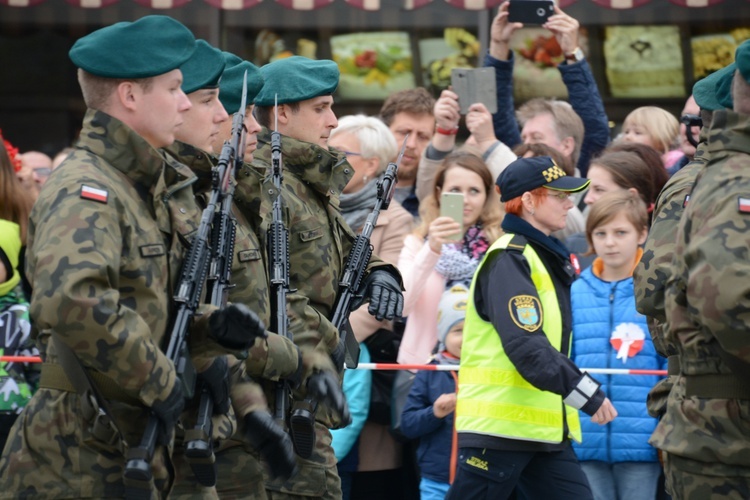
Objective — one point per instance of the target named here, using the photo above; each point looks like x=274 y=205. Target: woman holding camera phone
x=432 y=260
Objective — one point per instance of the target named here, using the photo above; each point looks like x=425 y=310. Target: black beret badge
x=526 y=312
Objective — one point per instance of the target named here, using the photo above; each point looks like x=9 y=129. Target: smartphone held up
x=530 y=11
x=452 y=205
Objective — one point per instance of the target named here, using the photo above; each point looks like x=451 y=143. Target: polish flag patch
x=743 y=205
x=92 y=193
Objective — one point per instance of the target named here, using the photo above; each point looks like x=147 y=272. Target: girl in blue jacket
x=608 y=332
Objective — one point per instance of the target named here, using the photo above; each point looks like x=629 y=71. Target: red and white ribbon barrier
x=396 y=366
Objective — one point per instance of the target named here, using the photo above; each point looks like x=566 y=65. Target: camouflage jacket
x=651 y=273
x=707 y=293
x=274 y=357
x=319 y=238
x=103 y=258
x=108 y=260
x=707 y=300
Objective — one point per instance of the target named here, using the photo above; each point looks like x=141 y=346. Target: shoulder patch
x=95 y=194
x=743 y=205
x=526 y=312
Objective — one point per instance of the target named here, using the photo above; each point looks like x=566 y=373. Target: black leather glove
x=272 y=443
x=324 y=387
x=236 y=327
x=168 y=411
x=216 y=379
x=384 y=291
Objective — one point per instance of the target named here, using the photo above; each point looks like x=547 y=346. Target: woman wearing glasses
x=519 y=392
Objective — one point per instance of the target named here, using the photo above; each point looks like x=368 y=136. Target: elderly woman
x=369 y=146
x=518 y=389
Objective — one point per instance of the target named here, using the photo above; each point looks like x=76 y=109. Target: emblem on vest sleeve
x=526 y=312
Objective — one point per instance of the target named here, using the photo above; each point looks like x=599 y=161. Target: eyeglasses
x=562 y=196
x=352 y=153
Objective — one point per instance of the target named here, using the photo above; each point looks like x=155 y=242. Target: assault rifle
x=347 y=350
x=354 y=269
x=202 y=255
x=278 y=258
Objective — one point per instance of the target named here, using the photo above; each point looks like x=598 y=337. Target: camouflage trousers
x=687 y=479
x=52 y=454
x=316 y=478
x=239 y=476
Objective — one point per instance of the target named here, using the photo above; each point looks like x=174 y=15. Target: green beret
x=230 y=93
x=150 y=46
x=204 y=68
x=723 y=88
x=297 y=79
x=742 y=59
x=705 y=90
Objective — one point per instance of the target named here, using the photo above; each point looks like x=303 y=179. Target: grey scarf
x=355 y=207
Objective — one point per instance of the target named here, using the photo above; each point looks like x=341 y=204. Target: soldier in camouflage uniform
x=705 y=433
x=105 y=247
x=651 y=273
x=319 y=242
x=198 y=140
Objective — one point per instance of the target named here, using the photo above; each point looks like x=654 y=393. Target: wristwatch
x=575 y=56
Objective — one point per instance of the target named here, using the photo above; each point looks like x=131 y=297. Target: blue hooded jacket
x=601 y=309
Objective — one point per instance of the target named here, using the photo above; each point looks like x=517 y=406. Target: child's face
x=454 y=339
x=616 y=243
x=636 y=133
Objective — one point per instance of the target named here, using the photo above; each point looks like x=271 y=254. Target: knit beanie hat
x=451 y=310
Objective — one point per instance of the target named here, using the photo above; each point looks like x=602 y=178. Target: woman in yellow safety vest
x=519 y=392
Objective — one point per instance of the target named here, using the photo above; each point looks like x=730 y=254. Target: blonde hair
x=659 y=124
x=491 y=216
x=609 y=206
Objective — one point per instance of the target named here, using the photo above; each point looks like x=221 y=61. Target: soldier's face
x=160 y=109
x=312 y=122
x=251 y=138
x=202 y=124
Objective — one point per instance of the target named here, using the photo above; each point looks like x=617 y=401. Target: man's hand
x=236 y=327
x=384 y=292
x=565 y=29
x=605 y=414
x=447 y=111
x=274 y=445
x=324 y=387
x=500 y=33
x=479 y=123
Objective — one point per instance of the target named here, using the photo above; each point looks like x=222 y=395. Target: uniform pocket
x=478 y=478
